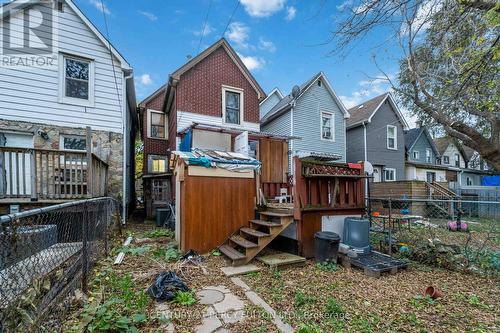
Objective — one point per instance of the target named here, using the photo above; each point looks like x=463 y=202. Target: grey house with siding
x=375 y=133
x=316 y=115
x=423 y=158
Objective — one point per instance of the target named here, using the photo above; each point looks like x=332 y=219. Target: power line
x=204 y=26
x=111 y=55
x=231 y=17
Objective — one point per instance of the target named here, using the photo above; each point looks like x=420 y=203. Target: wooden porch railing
x=51 y=174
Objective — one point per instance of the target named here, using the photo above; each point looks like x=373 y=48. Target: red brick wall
x=153 y=146
x=200 y=89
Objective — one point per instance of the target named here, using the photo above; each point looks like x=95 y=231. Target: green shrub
x=333 y=307
x=327 y=266
x=302 y=299
x=159 y=233
x=185 y=298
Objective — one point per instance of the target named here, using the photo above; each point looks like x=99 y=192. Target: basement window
x=73 y=142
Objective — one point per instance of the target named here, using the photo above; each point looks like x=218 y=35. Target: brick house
x=206 y=103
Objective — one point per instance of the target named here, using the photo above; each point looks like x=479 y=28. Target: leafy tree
x=449 y=74
x=139 y=158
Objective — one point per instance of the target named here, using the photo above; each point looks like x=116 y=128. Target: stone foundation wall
x=107 y=145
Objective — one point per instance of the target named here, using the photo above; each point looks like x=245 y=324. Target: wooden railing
x=51 y=174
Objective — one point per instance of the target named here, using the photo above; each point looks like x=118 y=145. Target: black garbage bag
x=166 y=285
x=193 y=256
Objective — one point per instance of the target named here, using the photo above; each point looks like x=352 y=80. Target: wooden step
x=231 y=252
x=265 y=223
x=276 y=214
x=253 y=232
x=242 y=242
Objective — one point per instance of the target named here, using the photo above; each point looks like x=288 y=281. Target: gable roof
x=364 y=112
x=443 y=143
x=20 y=4
x=145 y=101
x=232 y=54
x=276 y=91
x=412 y=135
x=286 y=102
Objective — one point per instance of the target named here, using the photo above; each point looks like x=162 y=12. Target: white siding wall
x=450 y=151
x=185 y=119
x=31 y=94
x=268 y=104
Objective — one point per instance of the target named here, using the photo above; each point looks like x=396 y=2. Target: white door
x=376 y=174
x=15 y=166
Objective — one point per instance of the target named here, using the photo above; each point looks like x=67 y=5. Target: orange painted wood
x=213 y=208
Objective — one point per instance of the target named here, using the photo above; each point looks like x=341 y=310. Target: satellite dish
x=295 y=91
x=368 y=168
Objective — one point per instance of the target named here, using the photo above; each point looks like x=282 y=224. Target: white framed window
x=457 y=160
x=232 y=105
x=428 y=155
x=73 y=142
x=76 y=80
x=327 y=126
x=157 y=163
x=469 y=181
x=157 y=125
x=446 y=159
x=389 y=174
x=416 y=155
x=392 y=134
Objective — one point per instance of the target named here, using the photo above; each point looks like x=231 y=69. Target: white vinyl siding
x=32 y=94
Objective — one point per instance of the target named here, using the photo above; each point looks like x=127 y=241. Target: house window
x=157 y=163
x=77 y=80
x=416 y=155
x=428 y=156
x=157 y=125
x=160 y=190
x=73 y=142
x=391 y=137
x=446 y=159
x=327 y=126
x=457 y=160
x=469 y=181
x=232 y=105
x=389 y=174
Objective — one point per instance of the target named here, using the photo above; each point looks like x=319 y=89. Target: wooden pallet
x=373 y=264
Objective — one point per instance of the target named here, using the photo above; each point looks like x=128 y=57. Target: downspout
x=124 y=129
x=366 y=159
x=292 y=164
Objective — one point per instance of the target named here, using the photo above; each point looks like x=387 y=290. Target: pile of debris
x=435 y=252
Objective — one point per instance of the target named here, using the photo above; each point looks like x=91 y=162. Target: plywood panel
x=213 y=209
x=274 y=159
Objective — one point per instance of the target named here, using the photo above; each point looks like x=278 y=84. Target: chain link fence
x=458 y=233
x=45 y=254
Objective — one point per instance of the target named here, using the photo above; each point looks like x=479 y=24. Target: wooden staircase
x=247 y=242
x=438 y=192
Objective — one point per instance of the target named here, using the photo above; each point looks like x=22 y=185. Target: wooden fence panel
x=213 y=208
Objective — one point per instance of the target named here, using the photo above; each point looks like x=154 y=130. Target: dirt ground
x=310 y=298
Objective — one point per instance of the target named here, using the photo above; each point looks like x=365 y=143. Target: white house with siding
x=315 y=115
x=86 y=83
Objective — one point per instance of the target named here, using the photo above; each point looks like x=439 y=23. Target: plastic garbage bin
x=326 y=246
x=161 y=216
x=357 y=234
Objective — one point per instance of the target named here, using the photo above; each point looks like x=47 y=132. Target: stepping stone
x=281 y=259
x=239 y=270
x=233 y=316
x=231 y=302
x=210 y=323
x=209 y=296
x=222 y=289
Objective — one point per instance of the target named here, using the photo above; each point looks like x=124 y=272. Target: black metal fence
x=45 y=254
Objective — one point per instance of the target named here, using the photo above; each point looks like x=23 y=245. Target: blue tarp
x=491 y=180
x=212 y=158
x=186 y=141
